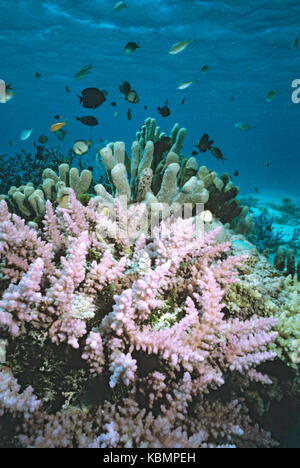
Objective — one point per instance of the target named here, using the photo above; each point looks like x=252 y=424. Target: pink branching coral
x=147 y=319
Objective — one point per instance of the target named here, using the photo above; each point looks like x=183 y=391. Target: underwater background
x=250 y=52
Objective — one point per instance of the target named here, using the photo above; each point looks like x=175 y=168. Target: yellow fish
x=179 y=47
x=185 y=84
x=57 y=126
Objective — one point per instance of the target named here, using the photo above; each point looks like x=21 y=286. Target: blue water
x=248 y=47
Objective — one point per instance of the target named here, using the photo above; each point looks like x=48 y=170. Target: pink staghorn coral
x=93 y=352
x=11 y=401
x=17 y=300
x=145 y=318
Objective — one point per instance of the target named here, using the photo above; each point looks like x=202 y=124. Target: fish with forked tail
x=217 y=153
x=205 y=143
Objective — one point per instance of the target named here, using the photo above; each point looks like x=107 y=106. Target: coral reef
x=30 y=203
x=84 y=306
x=264 y=236
x=268 y=293
x=285 y=261
x=23 y=166
x=124 y=325
x=288 y=207
x=158 y=173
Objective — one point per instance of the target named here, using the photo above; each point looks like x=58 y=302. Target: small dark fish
x=164 y=111
x=236 y=173
x=88 y=120
x=204 y=144
x=145 y=107
x=217 y=153
x=92 y=98
x=43 y=139
x=267 y=164
x=183 y=101
x=125 y=88
x=57 y=116
x=296 y=43
x=129 y=115
x=113 y=104
x=67 y=89
x=204 y=69
x=194 y=153
x=232 y=98
x=256 y=190
x=90 y=168
x=131 y=47
x=38 y=75
x=10 y=143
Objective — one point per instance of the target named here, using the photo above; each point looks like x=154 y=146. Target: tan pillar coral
x=135 y=159
x=103 y=195
x=179 y=141
x=169 y=188
x=171 y=158
x=174 y=132
x=37 y=202
x=203 y=171
x=28 y=190
x=199 y=194
x=193 y=191
x=119 y=152
x=80 y=184
x=190 y=185
x=151 y=129
x=108 y=158
x=50 y=174
x=120 y=180
x=209 y=179
x=192 y=164
x=157 y=134
x=219 y=184
x=147 y=157
x=144 y=184
x=49 y=189
x=19 y=197
x=63 y=171
x=19 y=200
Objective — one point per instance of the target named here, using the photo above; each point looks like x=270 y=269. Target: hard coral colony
x=120 y=336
